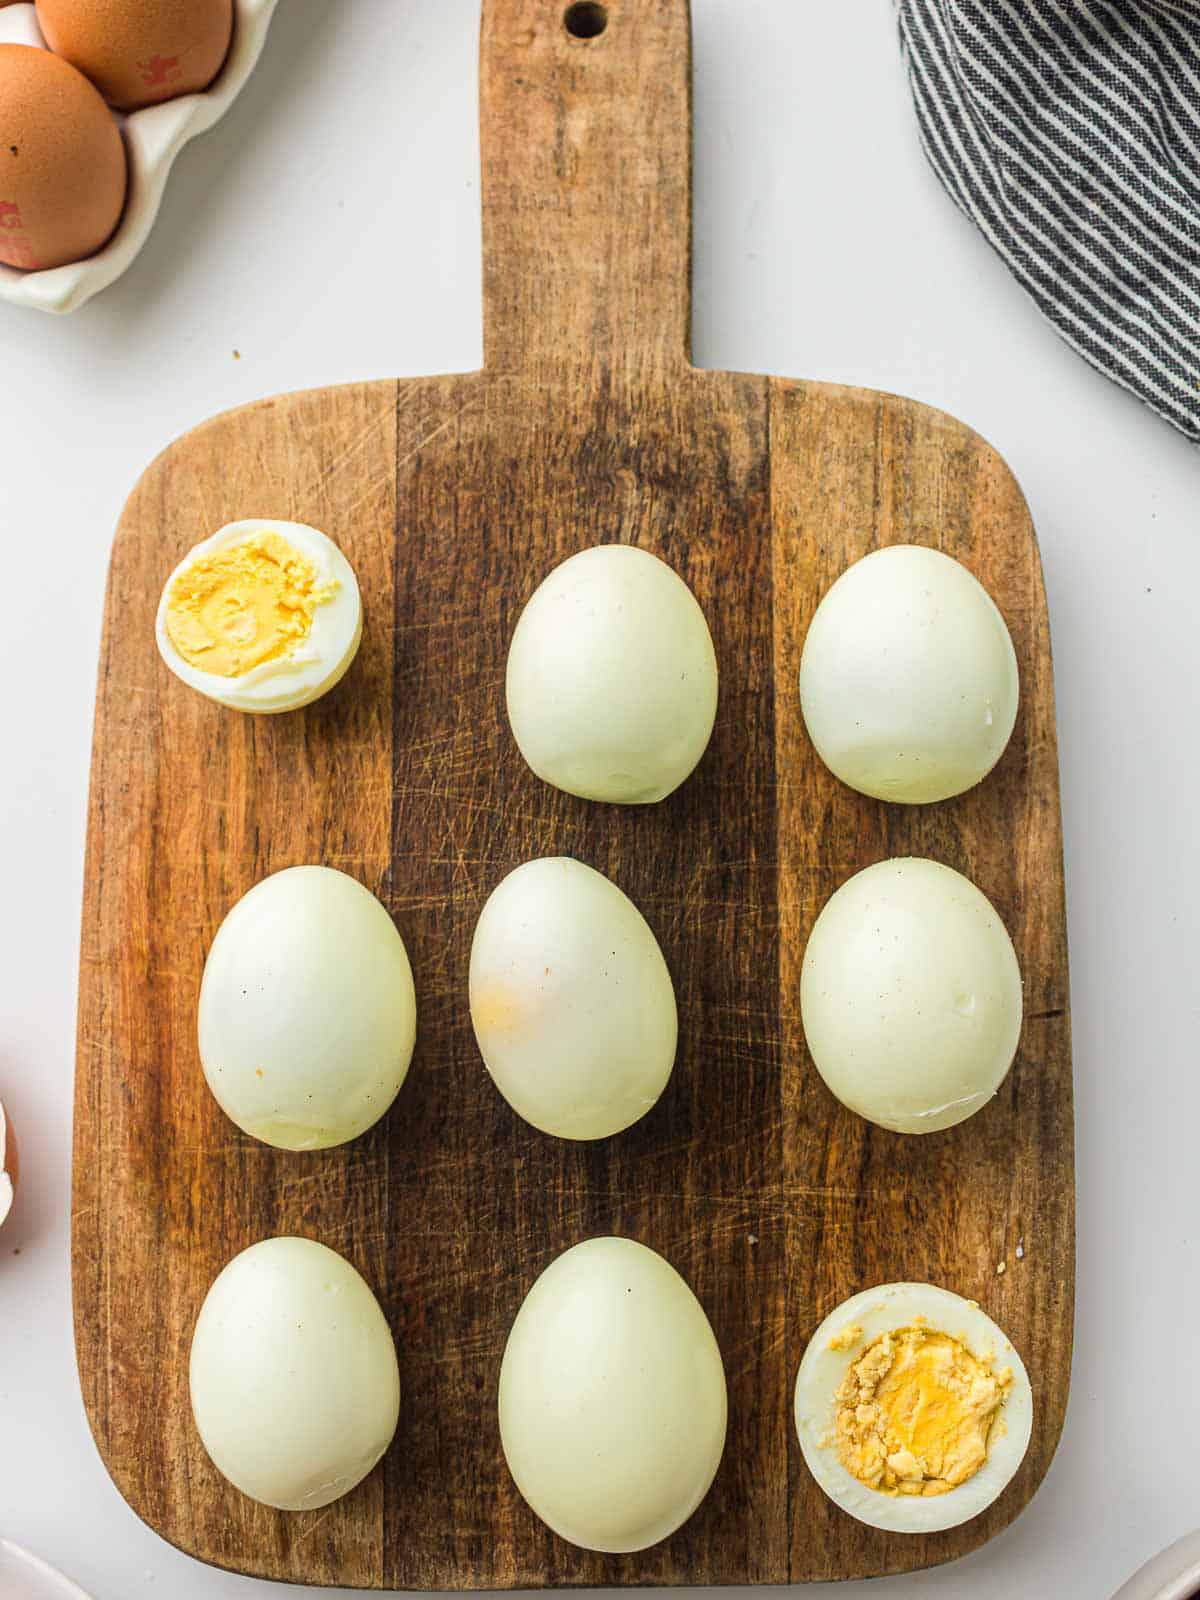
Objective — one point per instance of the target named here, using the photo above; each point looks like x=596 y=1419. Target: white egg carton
x=153 y=138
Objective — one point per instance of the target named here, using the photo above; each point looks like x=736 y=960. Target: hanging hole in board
x=585 y=20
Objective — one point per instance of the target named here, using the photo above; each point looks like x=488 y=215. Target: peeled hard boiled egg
x=571 y=1000
x=140 y=52
x=912 y=1408
x=307 y=1013
x=612 y=677
x=62 y=162
x=263 y=616
x=294 y=1382
x=910 y=995
x=612 y=1397
x=908 y=680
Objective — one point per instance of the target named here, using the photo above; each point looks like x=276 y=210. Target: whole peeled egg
x=612 y=1397
x=910 y=996
x=294 y=1381
x=908 y=678
x=140 y=52
x=63 y=171
x=307 y=1015
x=571 y=1001
x=611 y=682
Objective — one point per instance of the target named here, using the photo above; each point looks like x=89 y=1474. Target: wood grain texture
x=453 y=497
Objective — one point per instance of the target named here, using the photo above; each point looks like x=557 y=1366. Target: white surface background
x=328 y=229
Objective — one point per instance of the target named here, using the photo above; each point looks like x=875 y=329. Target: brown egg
x=140 y=52
x=62 y=162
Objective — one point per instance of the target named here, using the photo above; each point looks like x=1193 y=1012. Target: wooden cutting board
x=453 y=497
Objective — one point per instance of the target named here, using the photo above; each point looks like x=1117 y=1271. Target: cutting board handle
x=586 y=150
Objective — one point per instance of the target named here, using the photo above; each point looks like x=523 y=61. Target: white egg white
x=612 y=678
x=823 y=1367
x=910 y=996
x=612 y=1397
x=571 y=1001
x=294 y=1382
x=308 y=1015
x=908 y=678
x=318 y=663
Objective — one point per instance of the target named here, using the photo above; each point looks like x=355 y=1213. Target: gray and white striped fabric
x=1069 y=131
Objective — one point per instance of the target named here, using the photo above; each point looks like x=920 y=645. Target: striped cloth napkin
x=1069 y=132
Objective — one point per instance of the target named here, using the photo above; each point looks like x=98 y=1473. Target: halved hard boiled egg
x=913 y=1410
x=307 y=1015
x=908 y=680
x=910 y=996
x=294 y=1381
x=612 y=677
x=571 y=1001
x=263 y=616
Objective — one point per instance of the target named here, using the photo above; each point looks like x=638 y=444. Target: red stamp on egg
x=159 y=70
x=15 y=251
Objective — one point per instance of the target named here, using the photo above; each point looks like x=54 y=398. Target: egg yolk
x=247 y=604
x=915 y=1412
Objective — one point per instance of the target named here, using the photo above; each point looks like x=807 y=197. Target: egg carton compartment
x=153 y=139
